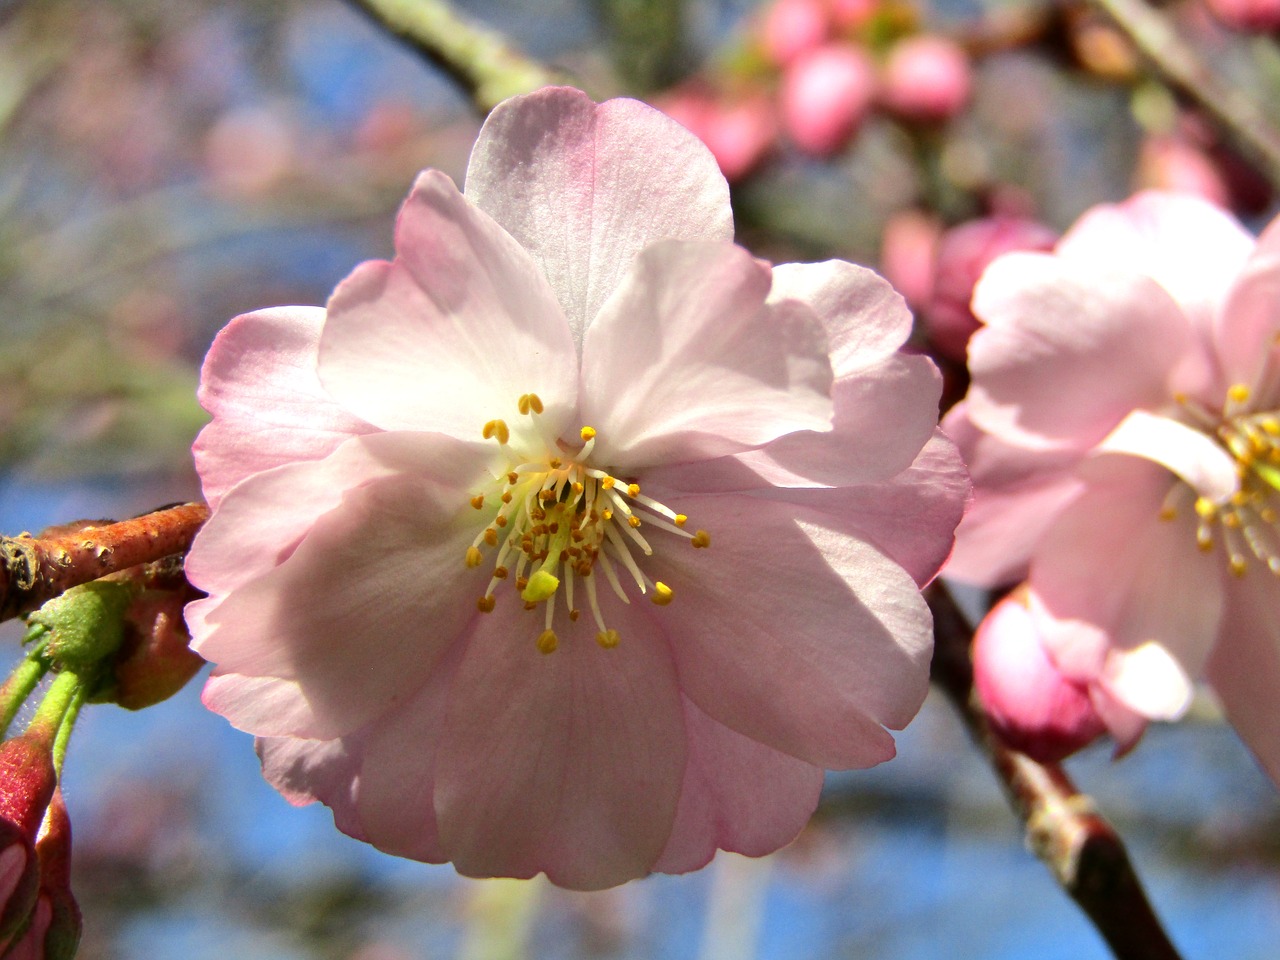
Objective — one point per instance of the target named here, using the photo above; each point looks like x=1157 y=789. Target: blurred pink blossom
x=443 y=505
x=908 y=254
x=1248 y=16
x=824 y=97
x=1123 y=435
x=1171 y=163
x=963 y=253
x=738 y=131
x=791 y=28
x=926 y=78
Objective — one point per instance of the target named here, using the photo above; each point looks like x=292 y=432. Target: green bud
x=86 y=624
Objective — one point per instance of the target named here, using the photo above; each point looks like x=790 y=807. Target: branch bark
x=36 y=569
x=1063 y=826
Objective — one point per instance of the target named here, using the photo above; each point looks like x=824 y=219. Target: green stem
x=24 y=679
x=64 y=730
x=482 y=61
x=65 y=689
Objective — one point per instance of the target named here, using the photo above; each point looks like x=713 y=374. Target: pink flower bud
x=1171 y=163
x=963 y=253
x=908 y=248
x=851 y=14
x=1030 y=704
x=1248 y=16
x=156 y=661
x=926 y=78
x=738 y=132
x=53 y=932
x=27 y=784
x=791 y=28
x=825 y=96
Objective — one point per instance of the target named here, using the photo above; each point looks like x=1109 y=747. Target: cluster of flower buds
x=815 y=70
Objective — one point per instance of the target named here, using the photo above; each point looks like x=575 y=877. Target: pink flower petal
x=1068 y=351
x=883 y=416
x=259 y=703
x=585 y=187
x=259 y=382
x=305 y=771
x=1250 y=318
x=451 y=334
x=865 y=318
x=1110 y=575
x=1190 y=247
x=794 y=635
x=908 y=516
x=1017 y=494
x=738 y=795
x=544 y=757
x=685 y=362
x=1244 y=666
x=360 y=612
x=396 y=789
x=1190 y=453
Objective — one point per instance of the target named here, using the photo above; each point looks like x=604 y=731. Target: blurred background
x=165 y=166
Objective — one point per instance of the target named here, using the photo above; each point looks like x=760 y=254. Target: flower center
x=1246 y=525
x=559 y=521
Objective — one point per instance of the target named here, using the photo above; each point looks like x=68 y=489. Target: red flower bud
x=155 y=661
x=1030 y=704
x=963 y=253
x=53 y=932
x=27 y=784
x=791 y=28
x=825 y=96
x=926 y=78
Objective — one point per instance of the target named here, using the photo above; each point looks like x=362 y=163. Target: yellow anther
x=701 y=539
x=1206 y=508
x=506 y=496
x=587 y=433
x=521 y=582
x=681 y=520
x=1238 y=393
x=535 y=403
x=606 y=483
x=496 y=428
x=1168 y=513
x=633 y=489
x=1203 y=541
x=608 y=639
x=577 y=487
x=500 y=520
x=555 y=463
x=513 y=478
x=1237 y=565
x=633 y=521
x=546 y=496
x=474 y=557
x=606 y=515
x=547 y=641
x=523 y=403
x=540 y=587
x=501 y=573
x=662 y=594
x=478 y=501
x=1271 y=425
x=491 y=537
x=485 y=604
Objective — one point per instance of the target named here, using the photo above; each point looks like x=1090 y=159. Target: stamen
x=608 y=639
x=474 y=557
x=662 y=594
x=477 y=501
x=486 y=603
x=497 y=428
x=701 y=539
x=547 y=642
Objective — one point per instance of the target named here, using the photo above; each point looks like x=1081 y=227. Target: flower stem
x=36 y=569
x=25 y=678
x=67 y=687
x=480 y=60
x=68 y=722
x=1064 y=828
x=1177 y=61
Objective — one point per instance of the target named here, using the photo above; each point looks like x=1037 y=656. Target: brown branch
x=1064 y=828
x=36 y=569
x=1181 y=67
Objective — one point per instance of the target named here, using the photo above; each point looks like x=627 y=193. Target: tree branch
x=1064 y=828
x=1178 y=63
x=480 y=60
x=36 y=569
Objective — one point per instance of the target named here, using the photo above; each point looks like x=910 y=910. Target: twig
x=1175 y=59
x=1064 y=829
x=36 y=569
x=482 y=61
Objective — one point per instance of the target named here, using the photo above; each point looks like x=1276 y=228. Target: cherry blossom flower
x=575 y=539
x=1123 y=430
